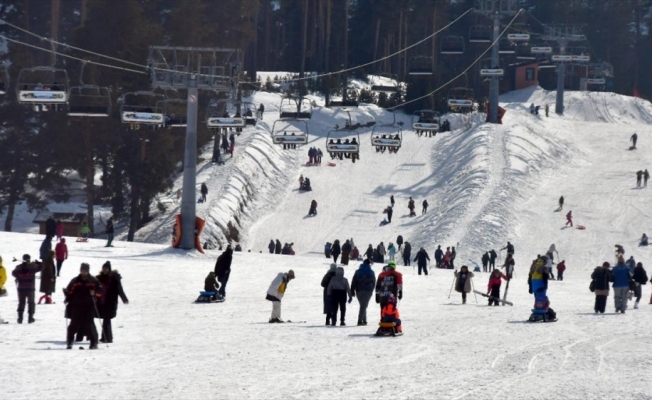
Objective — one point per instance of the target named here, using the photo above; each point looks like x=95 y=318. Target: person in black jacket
x=369 y=254
x=453 y=255
x=399 y=242
x=485 y=261
x=390 y=211
x=492 y=260
x=509 y=248
x=640 y=279
x=278 y=248
x=223 y=269
x=328 y=306
x=271 y=246
x=111 y=282
x=421 y=258
x=336 y=250
x=81 y=294
x=50 y=228
x=109 y=232
x=601 y=277
x=204 y=192
x=439 y=255
x=407 y=253
x=425 y=207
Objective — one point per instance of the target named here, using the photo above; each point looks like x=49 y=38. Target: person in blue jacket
x=621 y=276
x=362 y=287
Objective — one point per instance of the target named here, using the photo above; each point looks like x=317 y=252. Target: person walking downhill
x=48 y=279
x=621 y=278
x=111 y=282
x=338 y=289
x=109 y=232
x=204 y=192
x=640 y=279
x=362 y=287
x=25 y=274
x=61 y=254
x=425 y=207
x=463 y=282
x=325 y=281
x=276 y=292
x=81 y=295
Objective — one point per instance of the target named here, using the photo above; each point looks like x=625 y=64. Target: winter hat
x=392 y=264
x=26 y=257
x=85 y=267
x=606 y=264
x=107 y=265
x=291 y=274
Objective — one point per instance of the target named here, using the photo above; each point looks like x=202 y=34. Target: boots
x=31 y=319
x=636 y=306
x=20 y=317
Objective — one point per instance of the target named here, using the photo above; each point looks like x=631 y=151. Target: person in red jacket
x=389 y=283
x=569 y=218
x=493 y=288
x=61 y=254
x=561 y=267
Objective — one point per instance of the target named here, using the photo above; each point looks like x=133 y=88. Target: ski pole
x=451 y=291
x=98 y=316
x=474 y=295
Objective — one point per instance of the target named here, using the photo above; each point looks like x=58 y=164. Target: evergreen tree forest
x=49 y=157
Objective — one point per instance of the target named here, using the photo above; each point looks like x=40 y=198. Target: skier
x=492 y=259
x=485 y=261
x=569 y=219
x=633 y=139
x=561 y=203
x=411 y=207
x=639 y=177
x=561 y=267
x=346 y=251
x=313 y=208
x=463 y=282
x=278 y=248
x=25 y=276
x=640 y=279
x=644 y=240
x=271 y=247
x=646 y=177
x=362 y=287
x=109 y=232
x=422 y=261
x=276 y=292
x=600 y=279
x=439 y=254
x=336 y=250
x=407 y=250
x=61 y=253
x=81 y=309
x=46 y=247
x=111 y=282
x=389 y=282
x=369 y=254
x=509 y=266
x=509 y=248
x=223 y=269
x=204 y=192
x=338 y=289
x=399 y=242
x=493 y=288
x=325 y=281
x=391 y=200
x=621 y=279
x=425 y=207
x=48 y=279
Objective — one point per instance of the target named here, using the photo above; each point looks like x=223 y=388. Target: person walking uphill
x=336 y=250
x=111 y=282
x=25 y=273
x=338 y=289
x=362 y=287
x=61 y=254
x=223 y=269
x=81 y=294
x=422 y=260
x=109 y=232
x=463 y=282
x=600 y=279
x=276 y=292
x=621 y=278
x=325 y=281
x=204 y=192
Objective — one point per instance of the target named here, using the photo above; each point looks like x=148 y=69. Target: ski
x=295 y=322
x=493 y=298
x=506 y=289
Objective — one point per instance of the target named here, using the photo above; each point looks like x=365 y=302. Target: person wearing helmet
x=390 y=282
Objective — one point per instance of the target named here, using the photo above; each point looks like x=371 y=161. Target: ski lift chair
x=343 y=104
x=378 y=87
x=481 y=34
x=425 y=121
x=506 y=46
x=460 y=100
x=289 y=108
x=140 y=108
x=175 y=112
x=452 y=45
x=250 y=113
x=387 y=137
x=4 y=79
x=290 y=133
x=343 y=144
x=89 y=101
x=487 y=68
x=420 y=65
x=43 y=87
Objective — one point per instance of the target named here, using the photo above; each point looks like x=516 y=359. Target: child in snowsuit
x=390 y=313
x=493 y=288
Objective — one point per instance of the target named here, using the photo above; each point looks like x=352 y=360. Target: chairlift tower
x=496 y=9
x=562 y=34
x=192 y=69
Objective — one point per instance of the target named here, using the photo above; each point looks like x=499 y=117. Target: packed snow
x=485 y=184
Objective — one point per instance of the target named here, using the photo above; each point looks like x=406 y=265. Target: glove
x=350 y=300
x=377 y=298
x=400 y=294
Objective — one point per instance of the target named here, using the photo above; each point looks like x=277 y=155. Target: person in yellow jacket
x=3 y=279
x=275 y=294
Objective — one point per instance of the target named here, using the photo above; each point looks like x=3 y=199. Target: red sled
x=331 y=164
x=581 y=227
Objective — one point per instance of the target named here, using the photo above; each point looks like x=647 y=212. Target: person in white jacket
x=275 y=294
x=551 y=260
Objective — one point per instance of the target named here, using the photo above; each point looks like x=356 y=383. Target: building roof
x=66 y=218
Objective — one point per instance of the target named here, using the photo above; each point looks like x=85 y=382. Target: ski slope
x=485 y=184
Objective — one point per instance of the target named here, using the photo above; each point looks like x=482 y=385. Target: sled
x=509 y=303
x=331 y=164
x=206 y=297
x=81 y=239
x=581 y=227
x=388 y=329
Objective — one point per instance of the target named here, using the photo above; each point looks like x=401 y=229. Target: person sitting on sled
x=643 y=240
x=390 y=313
x=211 y=285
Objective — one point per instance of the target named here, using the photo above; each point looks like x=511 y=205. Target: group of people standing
x=278 y=248
x=348 y=251
x=642 y=175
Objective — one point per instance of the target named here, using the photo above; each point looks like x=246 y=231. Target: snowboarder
x=633 y=139
x=204 y=192
x=622 y=277
x=346 y=251
x=493 y=287
x=407 y=250
x=509 y=266
x=362 y=287
x=325 y=281
x=411 y=207
x=61 y=253
x=644 y=240
x=439 y=254
x=278 y=248
x=463 y=282
x=48 y=279
x=425 y=207
x=389 y=282
x=561 y=203
x=399 y=242
x=640 y=279
x=646 y=177
x=109 y=232
x=25 y=280
x=561 y=267
x=313 y=208
x=391 y=200
x=271 y=246
x=492 y=259
x=422 y=261
x=338 y=289
x=111 y=282
x=276 y=292
x=336 y=250
x=509 y=248
x=223 y=269
x=569 y=219
x=81 y=293
x=485 y=261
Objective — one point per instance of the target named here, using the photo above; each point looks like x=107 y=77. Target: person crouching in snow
x=275 y=294
x=493 y=288
x=390 y=313
x=463 y=282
